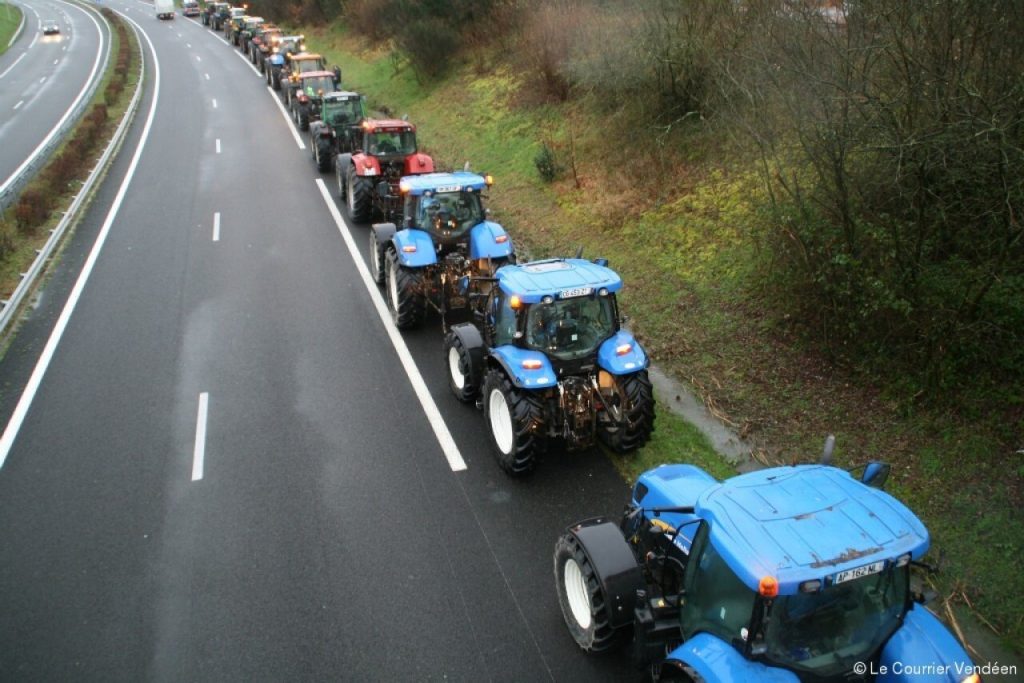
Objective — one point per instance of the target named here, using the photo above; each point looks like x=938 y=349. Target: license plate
x=447 y=188
x=858 y=572
x=576 y=291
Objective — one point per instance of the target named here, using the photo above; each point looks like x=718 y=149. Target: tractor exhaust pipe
x=830 y=444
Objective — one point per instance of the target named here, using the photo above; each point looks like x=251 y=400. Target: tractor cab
x=446 y=205
x=314 y=84
x=389 y=138
x=304 y=62
x=789 y=573
x=563 y=308
x=341 y=109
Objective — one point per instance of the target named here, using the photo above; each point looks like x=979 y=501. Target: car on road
x=50 y=27
x=190 y=8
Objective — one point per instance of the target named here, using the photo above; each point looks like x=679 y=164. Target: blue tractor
x=545 y=356
x=446 y=243
x=787 y=574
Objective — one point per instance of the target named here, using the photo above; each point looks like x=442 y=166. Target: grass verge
x=10 y=19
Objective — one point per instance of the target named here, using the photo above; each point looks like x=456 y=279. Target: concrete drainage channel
x=29 y=278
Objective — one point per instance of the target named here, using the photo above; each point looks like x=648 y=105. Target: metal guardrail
x=43 y=155
x=28 y=278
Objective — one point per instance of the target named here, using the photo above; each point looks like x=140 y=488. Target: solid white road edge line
x=444 y=437
x=20 y=57
x=287 y=119
x=248 y=63
x=25 y=402
x=216 y=226
x=199 y=452
x=81 y=93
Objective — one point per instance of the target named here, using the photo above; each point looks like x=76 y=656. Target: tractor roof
x=316 y=74
x=303 y=56
x=373 y=125
x=533 y=281
x=443 y=182
x=341 y=95
x=796 y=523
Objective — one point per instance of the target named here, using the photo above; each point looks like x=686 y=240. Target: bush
x=547 y=164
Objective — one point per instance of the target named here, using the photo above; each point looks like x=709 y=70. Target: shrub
x=547 y=164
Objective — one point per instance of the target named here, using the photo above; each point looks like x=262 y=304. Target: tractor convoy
x=800 y=573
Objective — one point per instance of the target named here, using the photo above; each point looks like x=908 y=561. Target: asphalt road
x=225 y=331
x=42 y=77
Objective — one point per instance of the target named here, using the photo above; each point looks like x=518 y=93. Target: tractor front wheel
x=322 y=154
x=302 y=116
x=629 y=421
x=404 y=293
x=275 y=79
x=378 y=264
x=584 y=604
x=460 y=368
x=358 y=196
x=515 y=418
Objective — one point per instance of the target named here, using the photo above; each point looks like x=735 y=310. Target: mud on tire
x=584 y=605
x=404 y=293
x=515 y=420
x=634 y=397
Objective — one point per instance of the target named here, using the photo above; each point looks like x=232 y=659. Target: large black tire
x=323 y=154
x=303 y=116
x=515 y=420
x=358 y=196
x=584 y=604
x=459 y=364
x=275 y=79
x=633 y=399
x=404 y=293
x=378 y=260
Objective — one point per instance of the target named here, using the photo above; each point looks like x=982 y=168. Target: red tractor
x=368 y=177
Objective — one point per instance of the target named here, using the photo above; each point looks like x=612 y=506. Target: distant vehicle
x=50 y=27
x=190 y=8
x=164 y=9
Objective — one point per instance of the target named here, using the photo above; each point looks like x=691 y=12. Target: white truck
x=164 y=9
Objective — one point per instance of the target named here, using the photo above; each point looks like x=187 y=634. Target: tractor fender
x=511 y=359
x=366 y=165
x=718 y=661
x=418 y=163
x=614 y=566
x=316 y=127
x=489 y=240
x=414 y=247
x=633 y=360
x=476 y=349
x=922 y=640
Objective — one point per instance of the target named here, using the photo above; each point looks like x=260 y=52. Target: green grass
x=10 y=18
x=686 y=235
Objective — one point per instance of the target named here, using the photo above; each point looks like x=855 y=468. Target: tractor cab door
x=500 y=320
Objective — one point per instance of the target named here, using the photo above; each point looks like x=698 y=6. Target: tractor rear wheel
x=378 y=264
x=275 y=79
x=460 y=373
x=358 y=196
x=515 y=418
x=323 y=154
x=404 y=292
x=628 y=424
x=302 y=116
x=584 y=604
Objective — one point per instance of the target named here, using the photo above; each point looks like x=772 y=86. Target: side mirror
x=875 y=474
